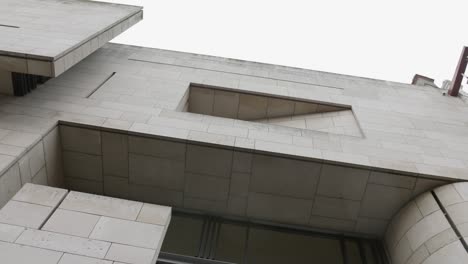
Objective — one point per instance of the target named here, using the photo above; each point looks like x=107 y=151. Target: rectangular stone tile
x=237 y=205
x=116 y=187
x=129 y=254
x=440 y=240
x=75 y=259
x=210 y=161
x=429 y=226
x=155 y=214
x=342 y=182
x=301 y=108
x=129 y=232
x=117 y=124
x=115 y=154
x=101 y=205
x=351 y=158
x=9 y=233
x=102 y=112
x=442 y=161
x=20 y=139
x=277 y=208
x=426 y=203
x=13 y=253
x=154 y=171
x=157 y=148
x=24 y=214
x=204 y=205
x=320 y=123
x=448 y=195
x=245 y=143
x=206 y=187
x=370 y=226
x=177 y=123
x=11 y=150
x=135 y=117
x=252 y=107
x=406 y=217
x=201 y=100
x=64 y=243
x=331 y=223
x=395 y=180
x=239 y=185
x=211 y=138
x=463 y=228
x=462 y=189
x=280 y=107
x=226 y=104
x=283 y=176
x=419 y=255
x=156 y=195
x=435 y=170
x=383 y=202
x=82 y=166
x=270 y=136
x=86 y=186
x=458 y=212
x=71 y=223
x=402 y=252
x=335 y=208
x=80 y=139
x=41 y=177
x=10 y=183
x=53 y=158
x=42 y=195
x=424 y=184
x=5 y=161
x=36 y=158
x=228 y=130
x=452 y=253
x=242 y=161
x=25 y=171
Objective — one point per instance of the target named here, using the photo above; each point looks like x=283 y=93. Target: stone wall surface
x=413 y=139
x=431 y=228
x=46 y=225
x=234 y=181
x=28 y=45
x=38 y=160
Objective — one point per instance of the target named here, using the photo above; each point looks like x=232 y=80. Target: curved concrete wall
x=421 y=232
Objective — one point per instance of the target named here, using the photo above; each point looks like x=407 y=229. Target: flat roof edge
x=76 y=46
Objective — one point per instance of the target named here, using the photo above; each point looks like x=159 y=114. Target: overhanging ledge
x=60 y=34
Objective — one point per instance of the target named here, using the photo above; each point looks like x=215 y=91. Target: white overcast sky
x=389 y=40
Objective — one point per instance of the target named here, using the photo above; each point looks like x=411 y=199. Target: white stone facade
x=48 y=225
x=421 y=233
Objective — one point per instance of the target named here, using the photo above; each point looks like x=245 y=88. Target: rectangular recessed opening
x=271 y=109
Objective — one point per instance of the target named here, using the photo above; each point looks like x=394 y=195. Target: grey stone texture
x=421 y=233
x=29 y=46
x=413 y=139
x=50 y=225
x=247 y=184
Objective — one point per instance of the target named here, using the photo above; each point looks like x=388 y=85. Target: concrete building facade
x=248 y=155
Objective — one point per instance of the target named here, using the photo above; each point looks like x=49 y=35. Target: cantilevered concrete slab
x=47 y=37
x=48 y=225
